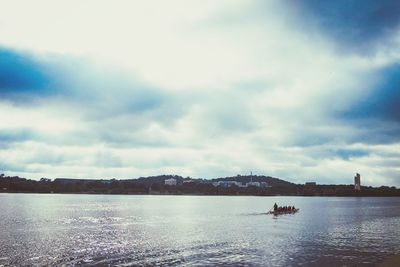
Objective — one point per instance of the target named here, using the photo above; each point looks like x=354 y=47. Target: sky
x=303 y=90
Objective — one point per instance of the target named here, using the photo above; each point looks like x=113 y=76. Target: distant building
x=256 y=184
x=240 y=184
x=311 y=183
x=171 y=181
x=227 y=183
x=357 y=181
x=251 y=183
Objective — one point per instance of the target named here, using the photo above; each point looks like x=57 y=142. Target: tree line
x=155 y=185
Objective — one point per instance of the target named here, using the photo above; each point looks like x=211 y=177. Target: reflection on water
x=195 y=230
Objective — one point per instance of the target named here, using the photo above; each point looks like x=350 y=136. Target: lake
x=131 y=230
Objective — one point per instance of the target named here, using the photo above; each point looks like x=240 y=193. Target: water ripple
x=195 y=231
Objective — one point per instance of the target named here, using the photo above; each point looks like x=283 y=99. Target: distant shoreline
x=172 y=194
x=251 y=185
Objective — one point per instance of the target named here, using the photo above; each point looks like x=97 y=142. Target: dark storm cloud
x=97 y=93
x=357 y=24
x=383 y=103
x=374 y=132
x=114 y=108
x=21 y=76
x=377 y=113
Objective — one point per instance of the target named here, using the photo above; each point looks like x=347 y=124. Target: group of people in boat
x=284 y=208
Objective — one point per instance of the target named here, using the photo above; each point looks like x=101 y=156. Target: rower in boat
x=282 y=210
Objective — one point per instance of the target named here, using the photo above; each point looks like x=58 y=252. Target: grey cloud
x=360 y=26
x=105 y=159
x=16 y=135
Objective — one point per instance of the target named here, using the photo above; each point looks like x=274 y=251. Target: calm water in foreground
x=195 y=230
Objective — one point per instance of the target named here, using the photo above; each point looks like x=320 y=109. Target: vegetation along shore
x=257 y=185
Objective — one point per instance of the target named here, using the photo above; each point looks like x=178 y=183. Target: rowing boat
x=282 y=212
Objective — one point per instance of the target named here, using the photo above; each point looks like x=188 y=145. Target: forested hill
x=272 y=181
x=256 y=178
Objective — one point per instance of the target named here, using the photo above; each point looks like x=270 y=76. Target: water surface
x=54 y=229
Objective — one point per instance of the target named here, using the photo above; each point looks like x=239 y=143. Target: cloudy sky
x=303 y=90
